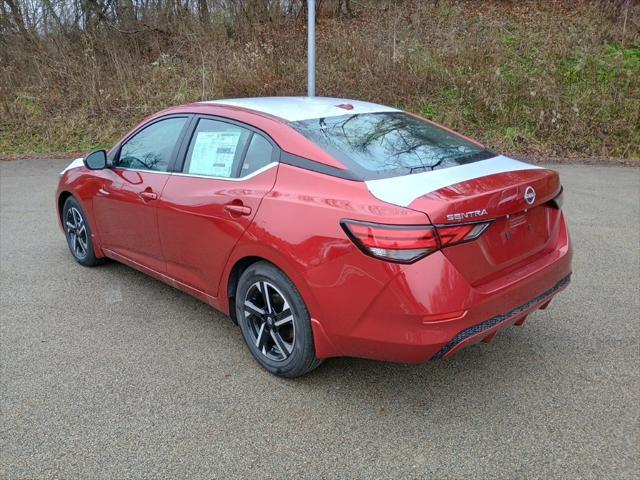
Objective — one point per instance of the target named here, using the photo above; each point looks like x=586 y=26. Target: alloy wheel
x=270 y=320
x=76 y=232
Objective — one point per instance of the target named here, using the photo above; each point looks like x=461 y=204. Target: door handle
x=238 y=209
x=148 y=195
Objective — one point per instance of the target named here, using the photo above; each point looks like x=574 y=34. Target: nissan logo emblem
x=529 y=195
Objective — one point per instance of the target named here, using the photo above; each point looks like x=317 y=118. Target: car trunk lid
x=512 y=195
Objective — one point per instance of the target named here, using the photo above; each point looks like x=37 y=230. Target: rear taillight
x=397 y=243
x=408 y=243
x=454 y=234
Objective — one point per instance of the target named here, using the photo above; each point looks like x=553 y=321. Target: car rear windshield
x=389 y=144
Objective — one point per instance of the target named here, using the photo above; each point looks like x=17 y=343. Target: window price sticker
x=213 y=153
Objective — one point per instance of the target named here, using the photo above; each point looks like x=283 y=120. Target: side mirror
x=96 y=160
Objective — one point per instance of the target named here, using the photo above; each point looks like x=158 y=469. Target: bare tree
x=13 y=16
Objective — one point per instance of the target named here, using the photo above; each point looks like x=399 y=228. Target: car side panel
x=128 y=222
x=198 y=230
x=298 y=229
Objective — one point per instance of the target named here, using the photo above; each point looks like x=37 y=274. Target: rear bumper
x=486 y=330
x=405 y=321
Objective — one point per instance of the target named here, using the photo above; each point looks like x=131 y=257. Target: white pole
x=311 y=44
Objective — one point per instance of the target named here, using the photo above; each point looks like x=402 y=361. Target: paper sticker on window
x=213 y=153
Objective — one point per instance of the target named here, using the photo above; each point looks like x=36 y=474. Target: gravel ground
x=107 y=373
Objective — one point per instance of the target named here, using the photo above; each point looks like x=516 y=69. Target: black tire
x=78 y=233
x=283 y=347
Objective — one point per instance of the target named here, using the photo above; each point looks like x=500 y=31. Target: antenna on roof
x=311 y=48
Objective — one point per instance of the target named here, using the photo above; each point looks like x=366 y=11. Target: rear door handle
x=238 y=209
x=148 y=195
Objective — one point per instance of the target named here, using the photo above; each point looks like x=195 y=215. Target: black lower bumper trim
x=492 y=322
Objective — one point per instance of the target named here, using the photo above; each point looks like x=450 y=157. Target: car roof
x=294 y=109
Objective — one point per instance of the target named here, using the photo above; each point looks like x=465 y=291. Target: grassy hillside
x=553 y=78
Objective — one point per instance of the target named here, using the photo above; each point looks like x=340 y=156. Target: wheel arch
x=249 y=253
x=323 y=345
x=62 y=197
x=232 y=283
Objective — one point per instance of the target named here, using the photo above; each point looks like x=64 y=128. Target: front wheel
x=274 y=321
x=78 y=233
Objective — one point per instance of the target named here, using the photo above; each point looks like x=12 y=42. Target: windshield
x=379 y=145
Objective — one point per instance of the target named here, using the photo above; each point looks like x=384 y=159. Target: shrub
x=549 y=78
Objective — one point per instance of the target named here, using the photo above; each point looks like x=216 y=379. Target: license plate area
x=517 y=235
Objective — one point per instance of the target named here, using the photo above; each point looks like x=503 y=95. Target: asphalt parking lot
x=107 y=373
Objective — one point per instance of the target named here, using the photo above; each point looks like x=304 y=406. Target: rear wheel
x=78 y=233
x=275 y=321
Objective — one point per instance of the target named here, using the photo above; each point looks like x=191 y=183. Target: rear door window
x=216 y=149
x=259 y=155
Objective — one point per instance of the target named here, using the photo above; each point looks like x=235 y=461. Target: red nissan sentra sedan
x=325 y=227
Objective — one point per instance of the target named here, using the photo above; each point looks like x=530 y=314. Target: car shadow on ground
x=476 y=374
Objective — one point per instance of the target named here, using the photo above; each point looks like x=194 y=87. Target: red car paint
x=193 y=233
